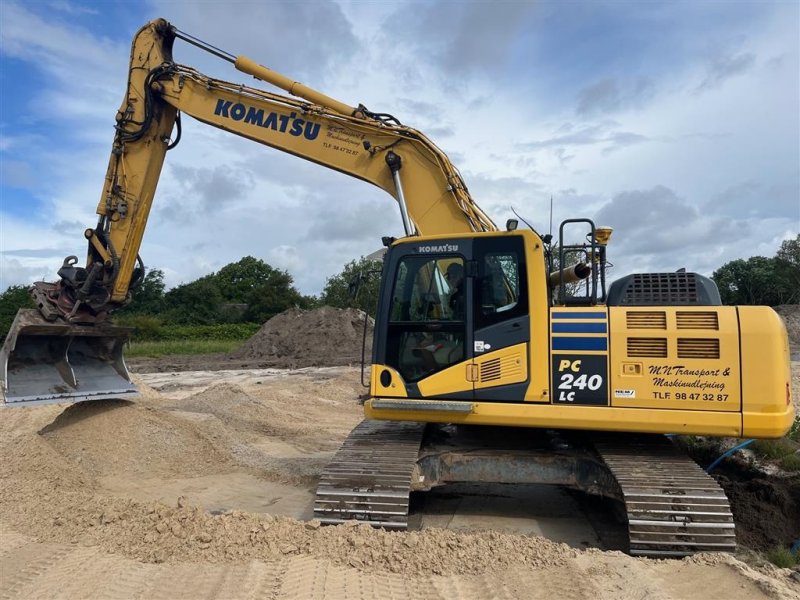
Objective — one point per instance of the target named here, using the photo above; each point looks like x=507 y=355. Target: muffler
x=44 y=362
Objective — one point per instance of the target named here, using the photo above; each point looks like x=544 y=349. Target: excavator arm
x=398 y=159
x=68 y=350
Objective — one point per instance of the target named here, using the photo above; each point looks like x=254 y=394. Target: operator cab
x=444 y=301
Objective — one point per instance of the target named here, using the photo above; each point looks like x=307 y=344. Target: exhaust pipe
x=576 y=272
x=44 y=362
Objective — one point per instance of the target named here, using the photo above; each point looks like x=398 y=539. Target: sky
x=676 y=123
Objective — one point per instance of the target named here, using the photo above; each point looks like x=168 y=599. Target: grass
x=783 y=557
x=782 y=451
x=165 y=348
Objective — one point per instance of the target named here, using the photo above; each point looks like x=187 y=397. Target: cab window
x=426 y=330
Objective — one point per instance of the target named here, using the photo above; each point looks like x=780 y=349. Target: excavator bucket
x=43 y=362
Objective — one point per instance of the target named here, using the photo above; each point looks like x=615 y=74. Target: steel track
x=369 y=478
x=674 y=507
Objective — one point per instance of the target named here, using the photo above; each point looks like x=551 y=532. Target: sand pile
x=296 y=338
x=60 y=523
x=111 y=437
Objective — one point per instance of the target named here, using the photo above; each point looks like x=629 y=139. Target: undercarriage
x=672 y=507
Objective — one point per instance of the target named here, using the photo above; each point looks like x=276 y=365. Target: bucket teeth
x=43 y=362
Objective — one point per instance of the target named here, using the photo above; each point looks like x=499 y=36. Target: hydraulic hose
x=727 y=454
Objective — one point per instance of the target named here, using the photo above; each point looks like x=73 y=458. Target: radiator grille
x=697 y=320
x=491 y=370
x=661 y=288
x=647 y=347
x=647 y=320
x=698 y=348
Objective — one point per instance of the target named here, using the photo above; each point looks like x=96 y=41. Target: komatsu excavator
x=474 y=327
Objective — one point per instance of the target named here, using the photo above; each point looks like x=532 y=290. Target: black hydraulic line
x=177 y=131
x=203 y=45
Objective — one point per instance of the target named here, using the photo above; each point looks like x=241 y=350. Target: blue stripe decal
x=579 y=315
x=576 y=343
x=579 y=328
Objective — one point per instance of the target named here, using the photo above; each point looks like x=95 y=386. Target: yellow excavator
x=475 y=325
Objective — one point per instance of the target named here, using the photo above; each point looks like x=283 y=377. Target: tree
x=276 y=295
x=14 y=298
x=787 y=267
x=195 y=303
x=761 y=280
x=148 y=298
x=357 y=286
x=236 y=281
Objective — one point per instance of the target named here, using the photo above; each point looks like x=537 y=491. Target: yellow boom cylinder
x=251 y=67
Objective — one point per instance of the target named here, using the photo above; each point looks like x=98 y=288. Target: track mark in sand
x=565 y=583
x=196 y=580
x=76 y=574
x=123 y=579
x=11 y=541
x=23 y=567
x=727 y=580
x=313 y=579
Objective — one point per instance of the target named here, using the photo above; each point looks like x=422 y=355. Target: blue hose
x=727 y=454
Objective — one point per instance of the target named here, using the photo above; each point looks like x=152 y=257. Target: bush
x=783 y=557
x=145 y=327
x=150 y=329
x=14 y=298
x=227 y=331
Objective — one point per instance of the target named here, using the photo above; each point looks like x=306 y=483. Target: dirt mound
x=106 y=438
x=324 y=337
x=790 y=313
x=766 y=510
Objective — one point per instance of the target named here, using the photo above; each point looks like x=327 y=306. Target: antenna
x=551 y=216
x=524 y=221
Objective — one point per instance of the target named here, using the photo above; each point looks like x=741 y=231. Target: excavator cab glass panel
x=427 y=327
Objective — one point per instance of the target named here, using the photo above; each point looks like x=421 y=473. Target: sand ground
x=200 y=489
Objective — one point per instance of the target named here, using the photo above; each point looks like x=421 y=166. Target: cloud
x=527 y=99
x=70 y=8
x=723 y=68
x=18 y=174
x=589 y=135
x=56 y=47
x=658 y=230
x=756 y=199
x=206 y=191
x=460 y=38
x=301 y=39
x=609 y=95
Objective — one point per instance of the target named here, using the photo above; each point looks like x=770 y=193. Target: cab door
x=424 y=330
x=499 y=311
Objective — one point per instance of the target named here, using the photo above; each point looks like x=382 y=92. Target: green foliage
x=198 y=302
x=226 y=331
x=249 y=290
x=774 y=449
x=790 y=463
x=783 y=557
x=794 y=431
x=273 y=297
x=357 y=286
x=760 y=280
x=166 y=348
x=148 y=298
x=237 y=281
x=145 y=327
x=151 y=329
x=14 y=298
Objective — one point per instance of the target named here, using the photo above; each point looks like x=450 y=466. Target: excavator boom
x=69 y=351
